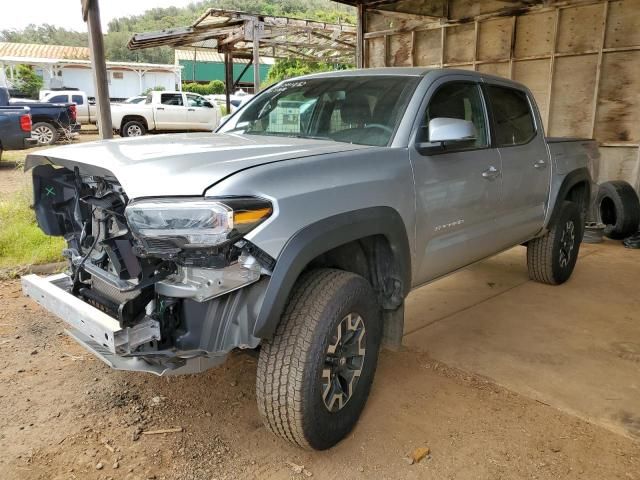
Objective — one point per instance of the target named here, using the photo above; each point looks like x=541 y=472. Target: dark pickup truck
x=49 y=120
x=15 y=129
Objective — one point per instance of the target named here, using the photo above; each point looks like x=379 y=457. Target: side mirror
x=207 y=104
x=451 y=130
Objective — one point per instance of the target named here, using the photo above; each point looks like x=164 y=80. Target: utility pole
x=91 y=15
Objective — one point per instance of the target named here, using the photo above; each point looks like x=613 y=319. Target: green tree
x=289 y=68
x=214 y=87
x=27 y=82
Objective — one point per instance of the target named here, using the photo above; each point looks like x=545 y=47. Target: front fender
x=322 y=236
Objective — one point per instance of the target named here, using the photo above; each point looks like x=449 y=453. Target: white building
x=62 y=66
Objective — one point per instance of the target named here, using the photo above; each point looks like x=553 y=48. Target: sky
x=67 y=13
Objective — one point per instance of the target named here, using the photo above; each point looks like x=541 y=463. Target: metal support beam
x=91 y=14
x=244 y=70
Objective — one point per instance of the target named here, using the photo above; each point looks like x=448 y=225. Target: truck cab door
x=170 y=113
x=201 y=115
x=457 y=183
x=526 y=171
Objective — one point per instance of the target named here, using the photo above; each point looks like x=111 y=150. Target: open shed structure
x=240 y=35
x=581 y=58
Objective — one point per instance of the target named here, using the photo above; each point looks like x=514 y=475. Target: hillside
x=120 y=29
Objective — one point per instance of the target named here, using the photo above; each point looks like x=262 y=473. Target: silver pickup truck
x=300 y=227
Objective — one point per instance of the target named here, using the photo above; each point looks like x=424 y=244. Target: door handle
x=159 y=108
x=491 y=173
x=191 y=109
x=540 y=164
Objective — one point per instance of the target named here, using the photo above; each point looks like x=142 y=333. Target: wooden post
x=91 y=15
x=256 y=57
x=360 y=36
x=228 y=77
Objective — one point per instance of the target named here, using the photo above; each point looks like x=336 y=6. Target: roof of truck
x=407 y=72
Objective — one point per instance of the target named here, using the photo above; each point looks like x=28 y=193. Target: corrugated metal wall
x=581 y=59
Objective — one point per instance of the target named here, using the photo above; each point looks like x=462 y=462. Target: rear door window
x=512 y=116
x=58 y=99
x=171 y=99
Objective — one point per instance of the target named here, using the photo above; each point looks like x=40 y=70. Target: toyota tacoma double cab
x=300 y=227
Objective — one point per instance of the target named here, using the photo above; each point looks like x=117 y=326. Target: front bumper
x=101 y=334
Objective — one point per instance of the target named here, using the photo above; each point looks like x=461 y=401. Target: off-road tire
x=618 y=208
x=289 y=391
x=125 y=131
x=45 y=133
x=546 y=261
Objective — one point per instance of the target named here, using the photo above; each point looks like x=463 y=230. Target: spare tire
x=618 y=208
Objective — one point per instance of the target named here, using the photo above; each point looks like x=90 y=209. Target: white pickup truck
x=166 y=112
x=86 y=112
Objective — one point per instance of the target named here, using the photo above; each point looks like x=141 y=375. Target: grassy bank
x=21 y=241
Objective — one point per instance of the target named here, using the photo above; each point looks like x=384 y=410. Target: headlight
x=196 y=222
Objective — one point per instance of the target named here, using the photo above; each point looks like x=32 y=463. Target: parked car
x=302 y=225
x=165 y=112
x=236 y=100
x=15 y=129
x=86 y=112
x=49 y=120
x=135 y=100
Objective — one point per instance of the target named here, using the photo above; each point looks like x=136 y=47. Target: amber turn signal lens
x=250 y=216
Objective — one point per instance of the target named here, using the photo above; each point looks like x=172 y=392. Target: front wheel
x=552 y=258
x=315 y=374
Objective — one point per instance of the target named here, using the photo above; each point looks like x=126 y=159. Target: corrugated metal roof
x=213 y=56
x=8 y=49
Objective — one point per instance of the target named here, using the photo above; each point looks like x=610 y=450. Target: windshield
x=353 y=109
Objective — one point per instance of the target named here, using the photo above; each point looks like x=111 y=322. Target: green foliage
x=21 y=240
x=289 y=68
x=214 y=87
x=45 y=35
x=120 y=30
x=27 y=82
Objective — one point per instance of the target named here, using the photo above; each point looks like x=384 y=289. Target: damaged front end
x=160 y=285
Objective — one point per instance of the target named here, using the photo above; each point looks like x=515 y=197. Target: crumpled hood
x=180 y=164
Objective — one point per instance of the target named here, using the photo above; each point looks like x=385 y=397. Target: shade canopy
x=277 y=37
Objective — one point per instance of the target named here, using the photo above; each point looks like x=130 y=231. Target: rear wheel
x=315 y=374
x=44 y=133
x=133 y=128
x=552 y=258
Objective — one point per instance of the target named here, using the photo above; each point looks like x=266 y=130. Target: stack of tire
x=618 y=209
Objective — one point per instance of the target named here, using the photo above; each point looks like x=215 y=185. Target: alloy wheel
x=344 y=360
x=44 y=135
x=567 y=243
x=134 y=131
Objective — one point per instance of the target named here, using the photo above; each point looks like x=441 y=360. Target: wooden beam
x=596 y=89
x=99 y=66
x=552 y=65
x=361 y=18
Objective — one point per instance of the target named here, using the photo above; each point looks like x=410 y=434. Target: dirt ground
x=65 y=415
